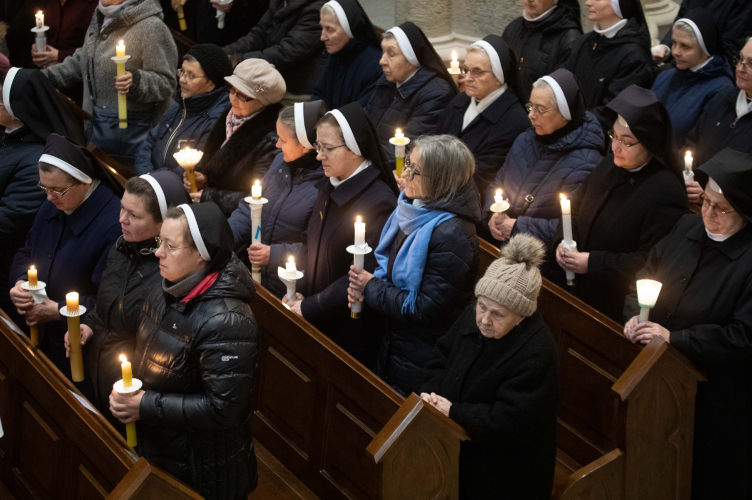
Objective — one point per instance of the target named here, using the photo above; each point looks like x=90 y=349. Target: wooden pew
x=183 y=43
x=121 y=172
x=626 y=422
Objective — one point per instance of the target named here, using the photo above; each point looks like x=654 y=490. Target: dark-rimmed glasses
x=325 y=150
x=713 y=206
x=240 y=97
x=612 y=135
x=747 y=64
x=475 y=72
x=410 y=169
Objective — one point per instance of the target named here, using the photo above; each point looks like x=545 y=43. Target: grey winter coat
x=153 y=61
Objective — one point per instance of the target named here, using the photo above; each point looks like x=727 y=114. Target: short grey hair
x=543 y=85
x=686 y=28
x=287 y=118
x=49 y=168
x=328 y=9
x=447 y=165
x=388 y=35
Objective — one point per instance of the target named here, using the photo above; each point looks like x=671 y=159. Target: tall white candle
x=647 y=296
x=566 y=216
x=688 y=161
x=39 y=18
x=360 y=233
x=290 y=266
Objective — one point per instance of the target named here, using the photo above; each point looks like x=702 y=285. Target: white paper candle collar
x=341 y=16
x=617 y=8
x=350 y=141
x=64 y=166
x=561 y=100
x=160 y=194
x=698 y=34
x=404 y=45
x=714 y=186
x=494 y=57
x=300 y=130
x=7 y=84
x=195 y=233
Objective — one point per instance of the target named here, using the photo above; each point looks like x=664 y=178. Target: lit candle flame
x=291 y=259
x=358 y=218
x=454 y=55
x=32 y=268
x=498 y=192
x=689 y=154
x=188 y=157
x=123 y=358
x=256 y=183
x=562 y=196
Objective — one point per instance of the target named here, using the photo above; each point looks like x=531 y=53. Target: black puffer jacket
x=542 y=46
x=197 y=360
x=232 y=168
x=446 y=288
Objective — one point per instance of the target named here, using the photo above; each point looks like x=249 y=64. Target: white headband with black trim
x=341 y=16
x=195 y=233
x=159 y=192
x=64 y=166
x=7 y=84
x=714 y=186
x=698 y=34
x=561 y=100
x=404 y=45
x=300 y=128
x=617 y=8
x=494 y=57
x=347 y=132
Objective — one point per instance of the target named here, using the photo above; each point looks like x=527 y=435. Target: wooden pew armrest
x=602 y=478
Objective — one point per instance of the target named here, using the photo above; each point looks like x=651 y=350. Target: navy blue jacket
x=490 y=135
x=578 y=153
x=186 y=122
x=446 y=288
x=284 y=220
x=350 y=75
x=70 y=253
x=685 y=93
x=415 y=107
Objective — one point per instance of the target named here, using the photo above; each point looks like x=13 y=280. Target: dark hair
x=48 y=168
x=178 y=214
x=141 y=188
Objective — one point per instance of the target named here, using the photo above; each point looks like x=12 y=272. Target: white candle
x=290 y=267
x=688 y=161
x=455 y=64
x=647 y=296
x=256 y=191
x=360 y=232
x=566 y=216
x=498 y=198
x=39 y=19
x=399 y=134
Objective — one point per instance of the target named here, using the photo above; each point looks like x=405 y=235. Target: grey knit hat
x=514 y=280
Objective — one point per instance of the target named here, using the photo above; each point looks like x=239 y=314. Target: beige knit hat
x=258 y=79
x=514 y=279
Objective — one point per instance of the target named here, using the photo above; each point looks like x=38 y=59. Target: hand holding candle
x=569 y=244
x=188 y=158
x=399 y=141
x=257 y=201
x=289 y=275
x=688 y=165
x=359 y=251
x=647 y=296
x=500 y=205
x=120 y=59
x=73 y=311
x=32 y=274
x=128 y=386
x=40 y=29
x=33 y=283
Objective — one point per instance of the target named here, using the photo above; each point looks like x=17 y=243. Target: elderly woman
x=488 y=116
x=132 y=271
x=354 y=52
x=359 y=184
x=427 y=259
x=615 y=55
x=552 y=158
x=199 y=103
x=496 y=373
x=72 y=234
x=628 y=204
x=705 y=266
x=196 y=352
x=414 y=89
x=542 y=38
x=701 y=72
x=290 y=187
x=148 y=82
x=240 y=149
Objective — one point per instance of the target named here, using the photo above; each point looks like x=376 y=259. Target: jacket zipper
x=167 y=146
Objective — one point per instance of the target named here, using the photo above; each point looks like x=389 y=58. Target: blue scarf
x=418 y=224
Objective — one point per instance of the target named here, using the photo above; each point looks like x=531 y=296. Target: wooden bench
x=121 y=172
x=183 y=44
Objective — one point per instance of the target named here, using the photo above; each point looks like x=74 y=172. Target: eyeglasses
x=169 y=247
x=240 y=97
x=612 y=135
x=747 y=64
x=714 y=206
x=530 y=107
x=325 y=150
x=410 y=169
x=52 y=191
x=188 y=76
x=475 y=72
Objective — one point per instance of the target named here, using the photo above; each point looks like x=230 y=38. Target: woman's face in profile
x=493 y=319
x=393 y=62
x=177 y=259
x=544 y=114
x=628 y=153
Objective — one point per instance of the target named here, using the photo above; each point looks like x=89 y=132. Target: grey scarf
x=185 y=285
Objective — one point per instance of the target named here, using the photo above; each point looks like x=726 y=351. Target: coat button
x=683 y=280
x=285 y=176
x=280 y=170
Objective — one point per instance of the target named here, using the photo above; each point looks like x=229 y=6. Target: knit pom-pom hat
x=514 y=280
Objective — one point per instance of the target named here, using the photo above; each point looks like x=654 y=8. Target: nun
x=488 y=116
x=290 y=187
x=354 y=51
x=615 y=55
x=553 y=157
x=702 y=71
x=196 y=353
x=628 y=204
x=361 y=184
x=68 y=244
x=414 y=89
x=132 y=271
x=542 y=38
x=705 y=311
x=32 y=110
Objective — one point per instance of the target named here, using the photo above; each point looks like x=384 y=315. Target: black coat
x=197 y=360
x=330 y=231
x=350 y=75
x=288 y=36
x=490 y=135
x=541 y=47
x=415 y=107
x=706 y=304
x=201 y=20
x=618 y=218
x=505 y=394
x=127 y=280
x=446 y=288
x=606 y=66
x=232 y=168
x=718 y=128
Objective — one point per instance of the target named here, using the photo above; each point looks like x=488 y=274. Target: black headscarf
x=169 y=189
x=426 y=54
x=312 y=113
x=506 y=59
x=709 y=36
x=366 y=141
x=357 y=21
x=79 y=162
x=574 y=7
x=29 y=96
x=649 y=122
x=565 y=86
x=630 y=9
x=211 y=233
x=732 y=171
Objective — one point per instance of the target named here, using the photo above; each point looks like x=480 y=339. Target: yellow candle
x=39 y=18
x=130 y=434
x=127 y=372
x=181 y=19
x=34 y=335
x=74 y=336
x=399 y=134
x=32 y=274
x=71 y=301
x=122 y=106
x=188 y=158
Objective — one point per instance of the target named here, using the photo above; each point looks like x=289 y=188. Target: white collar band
x=694 y=27
x=300 y=130
x=539 y=18
x=341 y=16
x=347 y=133
x=561 y=100
x=404 y=45
x=65 y=167
x=160 y=194
x=494 y=57
x=7 y=84
x=195 y=233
